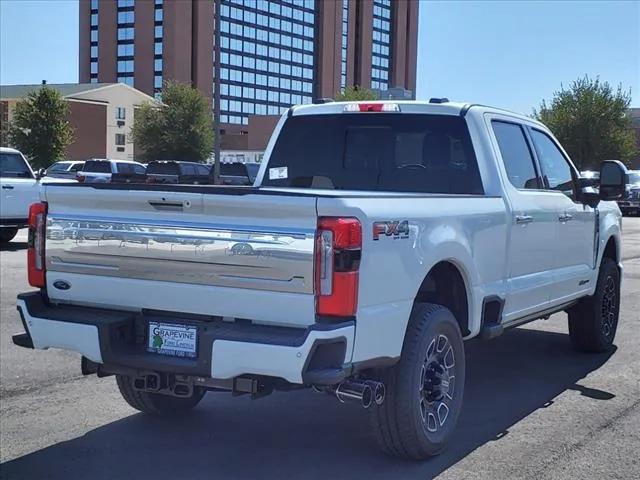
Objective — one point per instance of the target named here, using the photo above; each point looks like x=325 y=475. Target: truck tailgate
x=245 y=256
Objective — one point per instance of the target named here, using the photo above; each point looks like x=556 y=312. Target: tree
x=179 y=129
x=39 y=128
x=355 y=94
x=591 y=121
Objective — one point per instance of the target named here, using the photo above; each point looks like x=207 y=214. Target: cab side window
x=125 y=168
x=516 y=155
x=556 y=170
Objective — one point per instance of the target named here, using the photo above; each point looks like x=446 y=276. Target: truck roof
x=408 y=106
x=8 y=150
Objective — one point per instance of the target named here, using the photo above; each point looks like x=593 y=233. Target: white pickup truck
x=376 y=239
x=19 y=188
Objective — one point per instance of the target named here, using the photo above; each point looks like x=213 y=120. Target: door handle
x=169 y=206
x=7 y=187
x=523 y=219
x=565 y=217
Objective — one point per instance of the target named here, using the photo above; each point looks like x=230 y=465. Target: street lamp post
x=216 y=93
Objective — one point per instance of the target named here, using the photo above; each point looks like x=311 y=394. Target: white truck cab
x=377 y=238
x=19 y=188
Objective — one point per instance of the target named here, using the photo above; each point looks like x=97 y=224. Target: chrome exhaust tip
x=359 y=392
x=379 y=391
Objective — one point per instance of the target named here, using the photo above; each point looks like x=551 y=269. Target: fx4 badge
x=393 y=229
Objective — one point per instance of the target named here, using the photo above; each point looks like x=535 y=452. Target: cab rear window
x=376 y=152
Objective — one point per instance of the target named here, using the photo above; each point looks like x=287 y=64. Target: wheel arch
x=447 y=283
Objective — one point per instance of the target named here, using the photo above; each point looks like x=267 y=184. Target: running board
x=495 y=328
x=544 y=314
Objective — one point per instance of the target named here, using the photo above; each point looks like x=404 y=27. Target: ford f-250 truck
x=376 y=239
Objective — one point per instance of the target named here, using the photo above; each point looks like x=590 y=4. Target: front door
x=574 y=252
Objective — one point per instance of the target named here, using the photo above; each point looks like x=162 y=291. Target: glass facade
x=267 y=57
x=126 y=35
x=157 y=48
x=343 y=51
x=93 y=39
x=381 y=47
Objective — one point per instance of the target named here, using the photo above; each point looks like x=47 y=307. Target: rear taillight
x=338 y=251
x=35 y=251
x=80 y=178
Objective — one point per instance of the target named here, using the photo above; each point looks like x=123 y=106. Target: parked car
x=631 y=202
x=101 y=170
x=19 y=188
x=64 y=169
x=234 y=174
x=379 y=236
x=172 y=171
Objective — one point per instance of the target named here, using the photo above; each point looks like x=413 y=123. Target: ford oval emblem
x=61 y=285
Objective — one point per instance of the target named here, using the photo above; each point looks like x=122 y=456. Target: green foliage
x=4 y=134
x=180 y=129
x=355 y=94
x=591 y=121
x=39 y=128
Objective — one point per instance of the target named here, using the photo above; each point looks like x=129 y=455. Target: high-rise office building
x=273 y=53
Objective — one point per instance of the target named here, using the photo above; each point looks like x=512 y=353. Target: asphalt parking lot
x=533 y=409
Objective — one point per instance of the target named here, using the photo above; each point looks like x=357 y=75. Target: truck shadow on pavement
x=307 y=435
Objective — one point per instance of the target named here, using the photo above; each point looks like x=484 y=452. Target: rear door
x=574 y=250
x=534 y=221
x=18 y=187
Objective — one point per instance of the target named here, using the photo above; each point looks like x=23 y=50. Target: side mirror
x=589 y=196
x=613 y=180
x=40 y=173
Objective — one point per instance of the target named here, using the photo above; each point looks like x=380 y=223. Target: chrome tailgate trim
x=261 y=258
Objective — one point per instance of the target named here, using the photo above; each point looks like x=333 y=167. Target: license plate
x=174 y=340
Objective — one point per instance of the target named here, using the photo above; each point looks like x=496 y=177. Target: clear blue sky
x=505 y=53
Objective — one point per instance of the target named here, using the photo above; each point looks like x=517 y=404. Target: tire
x=411 y=423
x=156 y=404
x=594 y=321
x=7 y=234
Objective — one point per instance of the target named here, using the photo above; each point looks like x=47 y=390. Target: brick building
x=274 y=53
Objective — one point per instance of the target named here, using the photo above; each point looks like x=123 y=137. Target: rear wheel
x=156 y=404
x=594 y=321
x=424 y=390
x=7 y=234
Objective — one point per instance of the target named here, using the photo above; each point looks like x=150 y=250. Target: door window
x=58 y=167
x=125 y=167
x=97 y=166
x=13 y=165
x=516 y=155
x=555 y=167
x=188 y=170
